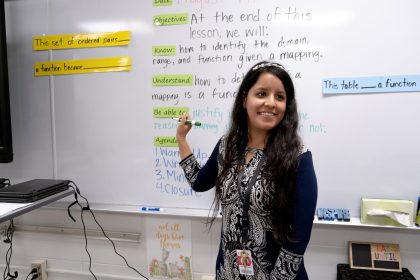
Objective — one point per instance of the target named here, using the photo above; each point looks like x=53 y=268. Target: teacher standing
x=264 y=179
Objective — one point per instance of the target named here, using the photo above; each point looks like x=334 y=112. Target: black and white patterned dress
x=270 y=260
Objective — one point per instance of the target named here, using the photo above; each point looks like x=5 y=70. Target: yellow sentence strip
x=96 y=65
x=71 y=41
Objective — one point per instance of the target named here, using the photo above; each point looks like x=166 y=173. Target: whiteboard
x=98 y=129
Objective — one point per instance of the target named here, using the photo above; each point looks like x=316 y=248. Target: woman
x=264 y=178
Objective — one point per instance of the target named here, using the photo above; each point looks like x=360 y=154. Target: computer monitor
x=6 y=150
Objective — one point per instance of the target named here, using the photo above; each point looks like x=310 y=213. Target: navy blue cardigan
x=271 y=260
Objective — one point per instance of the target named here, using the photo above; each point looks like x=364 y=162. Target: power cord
x=9 y=240
x=87 y=208
x=34 y=273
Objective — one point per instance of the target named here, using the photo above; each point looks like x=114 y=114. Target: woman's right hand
x=183 y=129
x=181 y=137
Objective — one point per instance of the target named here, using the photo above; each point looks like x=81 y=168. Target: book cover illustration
x=169 y=249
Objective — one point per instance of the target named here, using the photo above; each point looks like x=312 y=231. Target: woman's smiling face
x=265 y=104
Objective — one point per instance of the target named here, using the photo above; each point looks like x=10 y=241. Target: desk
x=35 y=205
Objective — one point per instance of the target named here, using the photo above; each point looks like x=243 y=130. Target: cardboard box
x=386 y=212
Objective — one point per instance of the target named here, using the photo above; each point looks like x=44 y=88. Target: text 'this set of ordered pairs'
x=82 y=66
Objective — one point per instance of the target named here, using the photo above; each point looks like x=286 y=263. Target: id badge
x=245 y=262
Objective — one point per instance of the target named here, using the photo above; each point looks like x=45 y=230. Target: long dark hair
x=282 y=148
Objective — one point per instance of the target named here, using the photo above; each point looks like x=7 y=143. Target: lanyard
x=246 y=198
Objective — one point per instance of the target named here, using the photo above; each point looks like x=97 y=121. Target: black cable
x=34 y=273
x=76 y=201
x=115 y=249
x=77 y=192
x=9 y=233
x=9 y=239
x=86 y=244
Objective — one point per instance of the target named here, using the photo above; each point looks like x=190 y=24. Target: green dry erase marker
x=190 y=122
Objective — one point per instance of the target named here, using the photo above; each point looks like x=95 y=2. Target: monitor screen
x=6 y=151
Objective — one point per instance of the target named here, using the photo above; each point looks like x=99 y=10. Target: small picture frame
x=375 y=256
